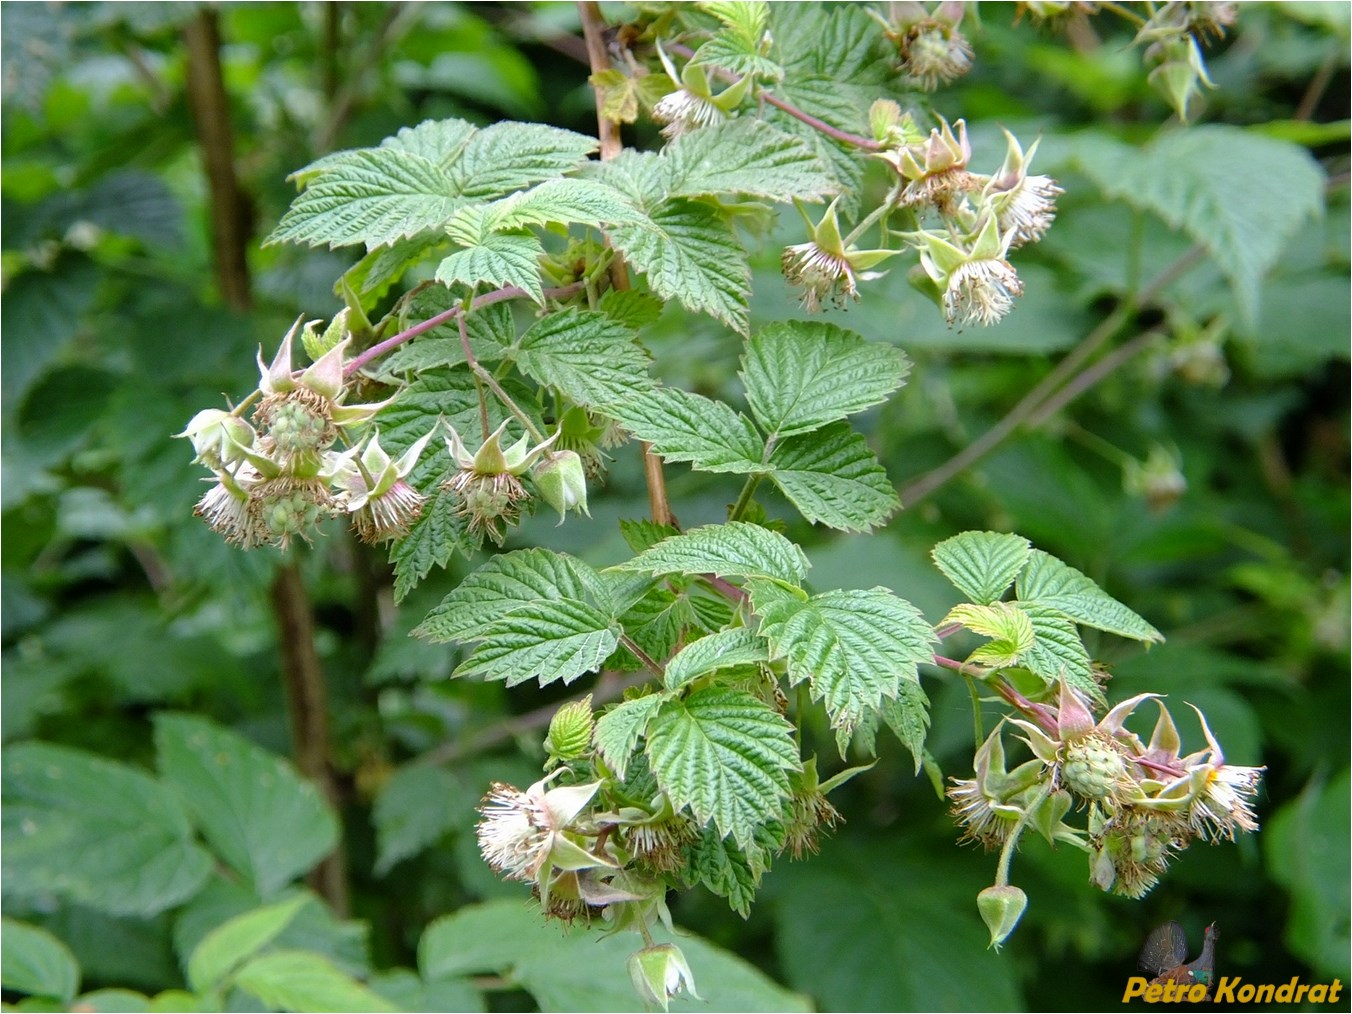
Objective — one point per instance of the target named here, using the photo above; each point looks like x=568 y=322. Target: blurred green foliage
x=119 y=607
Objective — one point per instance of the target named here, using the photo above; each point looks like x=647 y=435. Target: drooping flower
x=219 y=437
x=977 y=286
x=382 y=504
x=530 y=835
x=660 y=973
x=1025 y=206
x=225 y=509
x=487 y=481
x=562 y=481
x=989 y=806
x=930 y=46
x=693 y=104
x=935 y=170
x=825 y=268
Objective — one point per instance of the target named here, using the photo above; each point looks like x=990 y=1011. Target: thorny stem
x=1033 y=401
x=379 y=349
x=608 y=133
x=1040 y=713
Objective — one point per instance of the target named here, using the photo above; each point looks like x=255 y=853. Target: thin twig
x=1029 y=404
x=1091 y=376
x=608 y=133
x=609 y=687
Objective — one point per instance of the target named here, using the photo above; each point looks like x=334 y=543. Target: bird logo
x=1165 y=957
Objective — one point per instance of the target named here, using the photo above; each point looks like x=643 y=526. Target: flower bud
x=562 y=482
x=660 y=973
x=218 y=437
x=570 y=731
x=1001 y=907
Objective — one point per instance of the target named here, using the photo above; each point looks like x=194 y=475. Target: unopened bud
x=562 y=482
x=660 y=973
x=1001 y=907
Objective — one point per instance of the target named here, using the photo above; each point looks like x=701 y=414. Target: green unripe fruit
x=1092 y=768
x=1001 y=907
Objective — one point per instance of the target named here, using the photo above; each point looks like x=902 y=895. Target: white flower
x=523 y=835
x=981 y=291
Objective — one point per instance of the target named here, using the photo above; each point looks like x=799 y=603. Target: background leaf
x=33 y=961
x=261 y=817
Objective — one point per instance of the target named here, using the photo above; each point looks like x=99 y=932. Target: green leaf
x=907 y=715
x=498 y=258
x=738 y=47
x=688 y=427
x=580 y=970
x=261 y=817
x=655 y=621
x=801 y=375
x=588 y=356
x=728 y=870
x=725 y=755
x=1305 y=842
x=373 y=196
x=1008 y=626
x=745 y=156
x=238 y=939
x=1216 y=183
x=507 y=583
x=588 y=202
x=300 y=980
x=982 y=565
x=833 y=478
x=386 y=264
x=33 y=961
x=1058 y=650
x=854 y=647
x=97 y=833
x=722 y=650
x=116 y=1001
x=509 y=156
x=415 y=807
x=736 y=549
x=434 y=538
x=407 y=991
x=1046 y=581
x=632 y=308
x=553 y=639
x=491 y=331
x=618 y=730
x=689 y=253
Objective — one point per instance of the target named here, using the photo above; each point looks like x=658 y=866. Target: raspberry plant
x=490 y=362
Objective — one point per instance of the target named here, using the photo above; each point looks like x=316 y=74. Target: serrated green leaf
x=33 y=961
x=689 y=253
x=736 y=549
x=833 y=478
x=439 y=141
x=506 y=583
x=384 y=265
x=907 y=715
x=982 y=565
x=101 y=834
x=586 y=355
x=1008 y=626
x=717 y=651
x=373 y=196
x=745 y=156
x=618 y=94
x=688 y=427
x=618 y=730
x=854 y=647
x=302 y=980
x=728 y=870
x=509 y=156
x=1215 y=182
x=632 y=308
x=1058 y=651
x=801 y=375
x=553 y=639
x=437 y=535
x=655 y=622
x=725 y=755
x=640 y=533
x=237 y=939
x=1046 y=581
x=588 y=202
x=498 y=258
x=261 y=817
